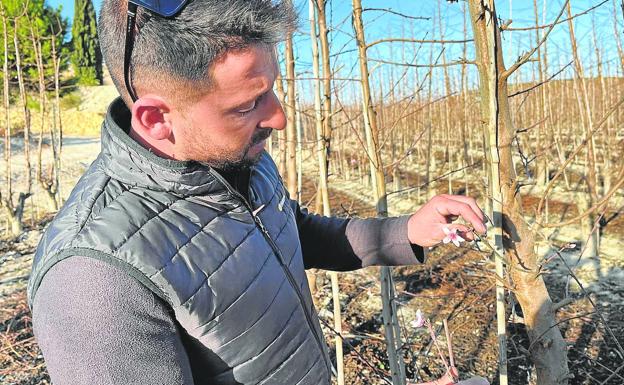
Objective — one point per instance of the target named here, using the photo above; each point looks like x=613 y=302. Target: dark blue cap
x=166 y=8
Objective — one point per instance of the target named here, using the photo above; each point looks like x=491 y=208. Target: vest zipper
x=280 y=259
x=293 y=283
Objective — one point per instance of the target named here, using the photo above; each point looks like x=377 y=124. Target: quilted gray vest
x=231 y=270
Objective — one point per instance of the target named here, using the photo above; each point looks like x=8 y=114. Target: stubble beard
x=232 y=163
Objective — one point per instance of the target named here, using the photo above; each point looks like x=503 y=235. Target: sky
x=383 y=25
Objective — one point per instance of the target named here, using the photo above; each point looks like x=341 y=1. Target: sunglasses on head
x=165 y=8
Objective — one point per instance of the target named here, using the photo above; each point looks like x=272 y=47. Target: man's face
x=227 y=128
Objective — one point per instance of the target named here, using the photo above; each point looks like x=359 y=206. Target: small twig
x=557 y=22
x=574 y=153
x=595 y=207
x=563 y=303
x=477 y=163
x=596 y=362
x=449 y=343
x=541 y=83
x=435 y=342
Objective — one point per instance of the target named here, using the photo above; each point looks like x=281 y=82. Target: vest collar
x=131 y=163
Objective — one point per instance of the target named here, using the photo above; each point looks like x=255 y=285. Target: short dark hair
x=178 y=52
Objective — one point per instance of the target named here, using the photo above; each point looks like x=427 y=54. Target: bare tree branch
x=453 y=63
x=524 y=58
x=542 y=83
x=389 y=10
x=507 y=28
x=420 y=41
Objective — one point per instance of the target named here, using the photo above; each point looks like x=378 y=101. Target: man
x=179 y=257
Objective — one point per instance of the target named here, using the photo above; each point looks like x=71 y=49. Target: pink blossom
x=452 y=236
x=419 y=321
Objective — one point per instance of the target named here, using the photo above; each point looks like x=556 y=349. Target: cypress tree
x=86 y=57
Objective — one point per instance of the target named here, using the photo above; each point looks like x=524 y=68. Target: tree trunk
x=327 y=75
x=322 y=144
x=46 y=184
x=389 y=311
x=56 y=133
x=291 y=129
x=548 y=349
x=589 y=231
x=281 y=134
x=14 y=212
x=25 y=109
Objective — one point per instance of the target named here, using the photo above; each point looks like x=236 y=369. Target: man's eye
x=252 y=106
x=249 y=108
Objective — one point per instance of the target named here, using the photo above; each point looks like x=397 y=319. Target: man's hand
x=424 y=227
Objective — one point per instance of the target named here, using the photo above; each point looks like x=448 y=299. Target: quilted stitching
x=151 y=217
x=283 y=364
x=282 y=331
x=314 y=364
x=253 y=280
x=265 y=313
x=113 y=198
x=201 y=231
x=205 y=281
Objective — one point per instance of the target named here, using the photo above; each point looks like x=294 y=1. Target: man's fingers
x=463 y=231
x=446 y=207
x=451 y=218
x=469 y=201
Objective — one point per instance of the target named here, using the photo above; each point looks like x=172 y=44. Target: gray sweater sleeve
x=343 y=244
x=97 y=325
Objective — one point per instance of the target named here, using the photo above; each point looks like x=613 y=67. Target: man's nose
x=274 y=114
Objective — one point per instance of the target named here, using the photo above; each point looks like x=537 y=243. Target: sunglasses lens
x=164 y=8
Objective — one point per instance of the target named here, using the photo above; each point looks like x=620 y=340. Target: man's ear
x=150 y=118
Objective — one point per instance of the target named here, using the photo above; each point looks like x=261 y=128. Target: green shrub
x=71 y=100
